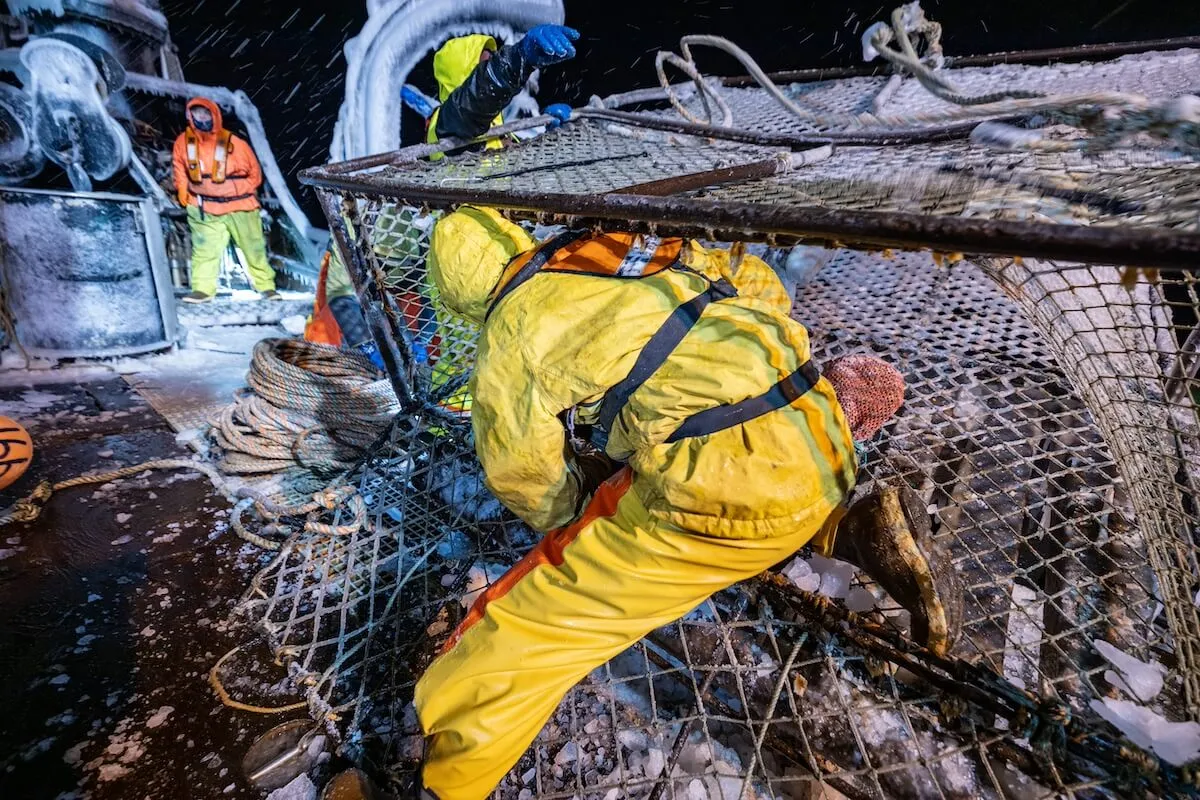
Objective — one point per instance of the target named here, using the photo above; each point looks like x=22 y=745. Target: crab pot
x=86 y=273
x=1051 y=428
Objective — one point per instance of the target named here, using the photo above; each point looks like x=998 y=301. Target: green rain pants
x=210 y=237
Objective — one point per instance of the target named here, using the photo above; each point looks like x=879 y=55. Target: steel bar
x=1084 y=52
x=864 y=137
x=740 y=221
x=712 y=177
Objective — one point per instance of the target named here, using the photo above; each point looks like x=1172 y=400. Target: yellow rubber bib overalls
x=688 y=516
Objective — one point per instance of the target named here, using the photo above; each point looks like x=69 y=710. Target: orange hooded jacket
x=215 y=166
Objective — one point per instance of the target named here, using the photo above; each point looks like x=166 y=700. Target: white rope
x=1110 y=117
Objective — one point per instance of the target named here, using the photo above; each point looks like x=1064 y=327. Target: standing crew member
x=736 y=452
x=216 y=180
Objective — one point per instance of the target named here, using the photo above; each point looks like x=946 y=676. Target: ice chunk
x=301 y=788
x=567 y=754
x=1137 y=678
x=766 y=666
x=112 y=772
x=160 y=716
x=633 y=740
x=1174 y=742
x=294 y=324
x=860 y=600
x=696 y=790
x=454 y=545
x=656 y=762
x=835 y=576
x=800 y=572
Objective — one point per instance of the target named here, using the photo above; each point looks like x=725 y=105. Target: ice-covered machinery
x=91 y=98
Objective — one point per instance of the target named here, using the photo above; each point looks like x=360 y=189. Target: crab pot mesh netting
x=1050 y=426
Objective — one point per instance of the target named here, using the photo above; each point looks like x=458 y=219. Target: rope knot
x=42 y=493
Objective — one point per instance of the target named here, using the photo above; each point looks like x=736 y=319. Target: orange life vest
x=220 y=156
x=613 y=255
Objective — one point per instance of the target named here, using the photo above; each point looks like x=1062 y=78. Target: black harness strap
x=228 y=176
x=782 y=394
x=211 y=198
x=534 y=265
x=658 y=350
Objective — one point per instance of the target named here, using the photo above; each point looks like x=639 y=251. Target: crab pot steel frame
x=1051 y=426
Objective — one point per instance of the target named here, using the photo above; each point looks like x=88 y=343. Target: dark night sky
x=288 y=55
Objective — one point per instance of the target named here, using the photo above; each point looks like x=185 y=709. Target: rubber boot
x=353 y=784
x=888 y=534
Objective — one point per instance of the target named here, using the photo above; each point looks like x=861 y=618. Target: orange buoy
x=16 y=451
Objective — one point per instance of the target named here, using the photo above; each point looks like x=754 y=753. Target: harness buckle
x=722 y=289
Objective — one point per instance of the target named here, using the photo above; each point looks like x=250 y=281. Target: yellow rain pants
x=210 y=237
x=587 y=592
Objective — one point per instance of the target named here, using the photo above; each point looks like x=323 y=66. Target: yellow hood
x=468 y=252
x=454 y=62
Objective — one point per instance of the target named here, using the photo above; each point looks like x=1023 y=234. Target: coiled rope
x=310 y=407
x=908 y=20
x=311 y=411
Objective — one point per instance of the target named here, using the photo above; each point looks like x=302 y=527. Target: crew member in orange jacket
x=216 y=180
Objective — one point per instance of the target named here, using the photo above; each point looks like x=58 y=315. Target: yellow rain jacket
x=453 y=63
x=680 y=522
x=561 y=341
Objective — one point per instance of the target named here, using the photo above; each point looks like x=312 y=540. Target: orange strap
x=549 y=551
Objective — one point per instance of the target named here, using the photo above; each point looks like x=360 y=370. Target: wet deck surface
x=113 y=608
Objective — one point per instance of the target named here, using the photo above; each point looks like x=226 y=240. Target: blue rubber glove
x=371 y=351
x=549 y=44
x=417 y=101
x=560 y=111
